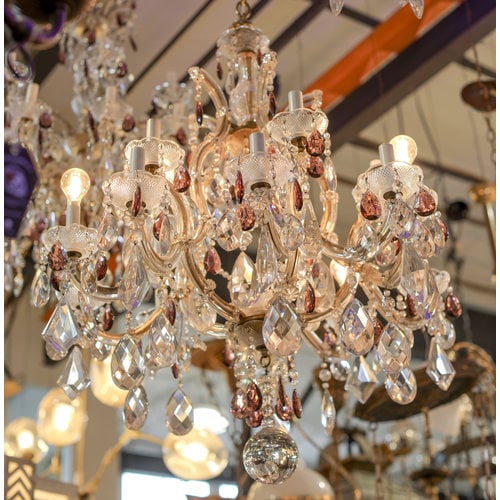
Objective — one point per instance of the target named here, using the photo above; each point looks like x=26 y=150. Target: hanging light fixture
x=171 y=223
x=417 y=6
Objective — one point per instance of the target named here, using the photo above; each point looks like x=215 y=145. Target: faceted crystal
x=134 y=284
x=296 y=404
x=298 y=197
x=452 y=306
x=281 y=329
x=377 y=331
x=414 y=278
x=246 y=215
x=127 y=363
x=362 y=381
x=88 y=278
x=315 y=144
x=136 y=201
x=315 y=167
x=370 y=206
x=393 y=350
x=291 y=232
x=100 y=349
x=447 y=338
x=266 y=263
x=74 y=379
x=40 y=289
x=211 y=261
x=312 y=233
x=328 y=412
x=425 y=204
x=403 y=220
x=239 y=189
x=57 y=258
x=60 y=332
x=179 y=414
x=356 y=328
x=107 y=318
x=306 y=301
x=336 y=6
x=284 y=411
x=270 y=456
x=417 y=6
x=239 y=407
x=163 y=341
x=402 y=386
x=161 y=232
x=199 y=113
x=107 y=232
x=340 y=369
x=243 y=285
x=322 y=283
x=170 y=310
x=136 y=408
x=254 y=418
x=229 y=231
x=182 y=180
x=101 y=267
x=411 y=307
x=439 y=367
x=45 y=120
x=128 y=123
x=254 y=397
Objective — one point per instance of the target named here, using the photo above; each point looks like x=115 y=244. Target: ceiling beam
x=444 y=42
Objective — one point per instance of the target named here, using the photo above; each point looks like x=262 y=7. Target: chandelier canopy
x=228 y=221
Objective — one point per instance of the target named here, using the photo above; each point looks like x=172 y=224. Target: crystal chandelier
x=222 y=227
x=417 y=6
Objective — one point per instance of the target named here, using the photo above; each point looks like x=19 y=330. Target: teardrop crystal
x=272 y=105
x=182 y=180
x=229 y=231
x=239 y=404
x=246 y=215
x=292 y=233
x=163 y=341
x=211 y=261
x=370 y=206
x=74 y=379
x=127 y=363
x=170 y=310
x=394 y=349
x=439 y=367
x=179 y=414
x=201 y=314
x=88 y=278
x=134 y=284
x=284 y=411
x=107 y=318
x=323 y=286
x=315 y=144
x=282 y=330
x=362 y=381
x=40 y=289
x=446 y=338
x=199 y=113
x=297 y=404
x=239 y=189
x=136 y=408
x=136 y=201
x=356 y=328
x=452 y=306
x=425 y=204
x=402 y=386
x=307 y=300
x=254 y=397
x=243 y=285
x=101 y=267
x=60 y=331
x=266 y=262
x=336 y=6
x=328 y=412
x=315 y=167
x=298 y=197
x=57 y=258
x=161 y=232
x=107 y=232
x=254 y=418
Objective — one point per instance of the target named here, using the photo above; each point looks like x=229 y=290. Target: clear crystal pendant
x=136 y=408
x=266 y=263
x=362 y=381
x=328 y=412
x=393 y=349
x=282 y=329
x=134 y=284
x=439 y=367
x=74 y=379
x=243 y=281
x=179 y=414
x=162 y=342
x=40 y=289
x=402 y=386
x=324 y=288
x=356 y=329
x=127 y=363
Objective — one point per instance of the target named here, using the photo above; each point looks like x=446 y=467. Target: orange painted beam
x=389 y=38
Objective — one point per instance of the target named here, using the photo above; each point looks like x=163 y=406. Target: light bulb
x=102 y=385
x=75 y=184
x=405 y=148
x=22 y=441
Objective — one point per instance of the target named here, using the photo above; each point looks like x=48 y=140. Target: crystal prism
x=439 y=367
x=60 y=331
x=362 y=381
x=402 y=386
x=394 y=350
x=243 y=285
x=266 y=262
x=356 y=328
x=281 y=329
x=211 y=261
x=40 y=289
x=74 y=379
x=328 y=412
x=134 y=284
x=323 y=285
x=136 y=408
x=163 y=341
x=127 y=363
x=229 y=231
x=179 y=414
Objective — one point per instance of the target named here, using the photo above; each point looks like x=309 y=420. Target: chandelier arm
x=223 y=308
x=138 y=332
x=266 y=75
x=217 y=331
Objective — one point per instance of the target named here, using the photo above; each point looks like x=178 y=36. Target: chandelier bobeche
x=244 y=195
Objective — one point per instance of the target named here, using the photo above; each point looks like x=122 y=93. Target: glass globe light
x=405 y=148
x=102 y=385
x=22 y=441
x=198 y=455
x=304 y=483
x=60 y=419
x=270 y=456
x=75 y=184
